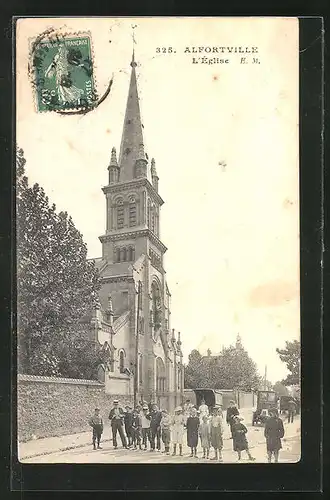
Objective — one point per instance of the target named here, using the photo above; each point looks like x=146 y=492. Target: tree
x=231 y=369
x=193 y=373
x=56 y=287
x=280 y=389
x=290 y=355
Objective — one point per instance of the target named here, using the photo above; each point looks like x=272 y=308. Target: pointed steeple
x=131 y=148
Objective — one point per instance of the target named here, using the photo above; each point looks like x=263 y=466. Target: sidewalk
x=45 y=446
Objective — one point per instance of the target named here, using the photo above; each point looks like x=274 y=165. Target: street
x=290 y=451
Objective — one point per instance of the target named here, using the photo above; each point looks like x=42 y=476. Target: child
x=216 y=434
x=165 y=426
x=136 y=429
x=96 y=423
x=128 y=424
x=239 y=437
x=205 y=435
x=178 y=422
x=274 y=431
x=192 y=432
x=145 y=424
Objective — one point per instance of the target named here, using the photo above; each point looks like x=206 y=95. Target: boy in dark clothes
x=128 y=424
x=239 y=438
x=231 y=412
x=136 y=429
x=156 y=417
x=96 y=423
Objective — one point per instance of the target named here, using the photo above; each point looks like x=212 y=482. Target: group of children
x=145 y=426
x=149 y=426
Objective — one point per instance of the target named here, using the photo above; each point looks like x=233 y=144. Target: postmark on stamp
x=64 y=77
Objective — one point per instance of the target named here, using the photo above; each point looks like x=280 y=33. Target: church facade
x=132 y=319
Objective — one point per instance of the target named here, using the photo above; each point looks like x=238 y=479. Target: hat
x=178 y=408
x=115 y=401
x=145 y=407
x=238 y=417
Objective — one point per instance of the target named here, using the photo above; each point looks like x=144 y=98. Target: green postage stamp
x=64 y=73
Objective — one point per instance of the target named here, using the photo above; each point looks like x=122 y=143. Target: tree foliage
x=280 y=389
x=290 y=355
x=231 y=369
x=56 y=286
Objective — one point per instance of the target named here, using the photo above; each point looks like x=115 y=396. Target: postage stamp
x=64 y=73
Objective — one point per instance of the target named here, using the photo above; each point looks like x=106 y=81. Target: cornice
x=133 y=235
x=113 y=279
x=119 y=187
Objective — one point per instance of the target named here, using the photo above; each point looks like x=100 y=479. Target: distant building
x=132 y=251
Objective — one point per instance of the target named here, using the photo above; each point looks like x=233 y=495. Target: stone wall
x=50 y=406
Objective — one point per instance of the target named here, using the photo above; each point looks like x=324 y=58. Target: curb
x=58 y=450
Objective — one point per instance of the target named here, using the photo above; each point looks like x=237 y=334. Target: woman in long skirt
x=216 y=434
x=192 y=432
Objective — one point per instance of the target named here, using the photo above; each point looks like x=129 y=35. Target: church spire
x=132 y=149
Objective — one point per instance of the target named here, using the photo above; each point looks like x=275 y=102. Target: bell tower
x=132 y=199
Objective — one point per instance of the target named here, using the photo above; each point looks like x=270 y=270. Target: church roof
x=117 y=269
x=131 y=147
x=99 y=262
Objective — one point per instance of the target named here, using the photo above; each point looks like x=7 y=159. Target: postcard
x=158 y=240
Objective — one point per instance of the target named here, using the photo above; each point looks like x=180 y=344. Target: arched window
x=121 y=362
x=117 y=254
x=149 y=214
x=153 y=219
x=120 y=214
x=156 y=306
x=160 y=375
x=132 y=212
x=131 y=253
x=123 y=254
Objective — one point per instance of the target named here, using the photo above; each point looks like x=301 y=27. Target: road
x=289 y=453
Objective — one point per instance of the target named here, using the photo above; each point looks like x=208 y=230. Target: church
x=132 y=318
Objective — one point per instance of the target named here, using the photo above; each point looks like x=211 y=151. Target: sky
x=225 y=140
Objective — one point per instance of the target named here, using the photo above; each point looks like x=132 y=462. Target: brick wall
x=49 y=406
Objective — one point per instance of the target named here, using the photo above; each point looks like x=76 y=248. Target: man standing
x=291 y=410
x=116 y=416
x=274 y=432
x=232 y=411
x=145 y=425
x=156 y=417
